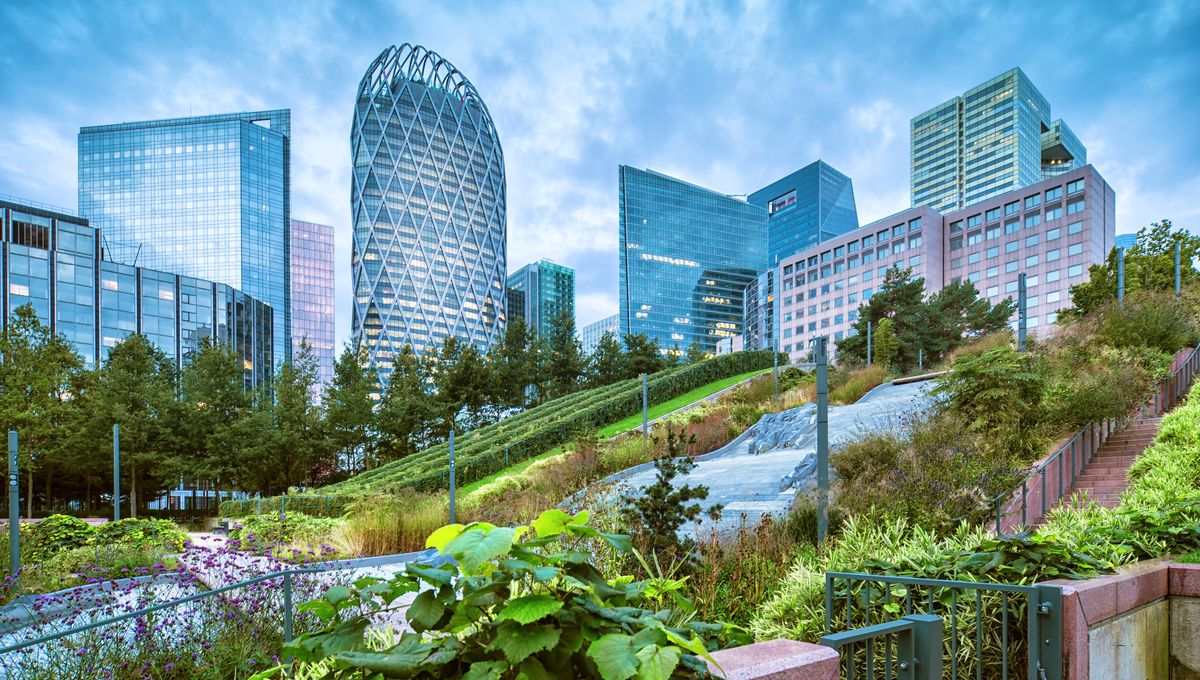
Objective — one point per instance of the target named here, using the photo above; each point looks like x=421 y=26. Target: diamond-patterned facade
x=428 y=203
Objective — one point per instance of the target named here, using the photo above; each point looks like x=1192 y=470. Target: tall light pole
x=452 y=513
x=14 y=507
x=822 y=440
x=117 y=472
x=1121 y=276
x=1177 y=271
x=1022 y=313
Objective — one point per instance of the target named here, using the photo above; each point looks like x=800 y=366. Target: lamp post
x=1177 y=272
x=869 y=353
x=14 y=507
x=822 y=440
x=1022 y=313
x=452 y=513
x=1121 y=276
x=116 y=472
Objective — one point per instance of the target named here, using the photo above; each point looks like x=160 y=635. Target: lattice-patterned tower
x=428 y=202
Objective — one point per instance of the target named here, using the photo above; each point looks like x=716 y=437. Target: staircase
x=1103 y=479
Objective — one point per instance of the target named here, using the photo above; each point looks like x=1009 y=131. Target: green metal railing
x=994 y=628
x=911 y=649
x=1045 y=486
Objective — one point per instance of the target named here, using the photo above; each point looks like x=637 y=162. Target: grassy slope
x=624 y=425
x=682 y=400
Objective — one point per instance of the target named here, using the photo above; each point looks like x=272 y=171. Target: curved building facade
x=428 y=202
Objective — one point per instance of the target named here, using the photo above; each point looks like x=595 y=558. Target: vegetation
x=1149 y=267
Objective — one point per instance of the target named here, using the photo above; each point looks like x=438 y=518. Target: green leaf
x=485 y=670
x=657 y=663
x=518 y=642
x=426 y=610
x=529 y=608
x=532 y=669
x=614 y=656
x=392 y=663
x=322 y=609
x=473 y=548
x=336 y=594
x=543 y=574
x=435 y=575
x=443 y=536
x=551 y=523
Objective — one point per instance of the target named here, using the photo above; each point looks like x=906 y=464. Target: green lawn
x=511 y=470
x=682 y=400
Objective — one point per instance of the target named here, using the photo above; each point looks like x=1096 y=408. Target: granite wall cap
x=777 y=660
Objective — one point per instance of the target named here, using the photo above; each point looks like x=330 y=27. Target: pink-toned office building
x=1052 y=231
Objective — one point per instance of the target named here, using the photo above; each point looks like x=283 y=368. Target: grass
x=1191 y=558
x=512 y=470
x=659 y=410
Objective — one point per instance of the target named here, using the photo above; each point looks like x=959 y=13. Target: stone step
x=1100 y=477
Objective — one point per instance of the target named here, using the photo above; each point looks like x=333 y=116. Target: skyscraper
x=206 y=197
x=539 y=292
x=427 y=197
x=312 y=293
x=590 y=334
x=998 y=136
x=686 y=256
x=808 y=206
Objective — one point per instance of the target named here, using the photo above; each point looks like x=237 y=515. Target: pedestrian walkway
x=1104 y=478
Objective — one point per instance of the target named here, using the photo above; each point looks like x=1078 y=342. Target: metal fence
x=993 y=630
x=1054 y=477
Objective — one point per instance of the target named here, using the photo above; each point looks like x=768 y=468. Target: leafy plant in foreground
x=519 y=602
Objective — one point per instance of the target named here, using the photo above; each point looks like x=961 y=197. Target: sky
x=730 y=96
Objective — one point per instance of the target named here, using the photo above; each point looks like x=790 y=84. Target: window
x=973 y=258
x=1010 y=287
x=1051 y=318
x=1053 y=296
x=1031 y=281
x=1074 y=187
x=994 y=251
x=1052 y=234
x=1052 y=194
x=1012 y=246
x=993 y=272
x=993 y=215
x=881 y=271
x=974 y=221
x=787 y=332
x=839 y=267
x=1054 y=213
x=1031 y=240
x=812 y=261
x=782 y=202
x=787 y=269
x=1010 y=267
x=1075 y=249
x=1012 y=226
x=839 y=251
x=825 y=289
x=899 y=247
x=897 y=230
x=1032 y=220
x=882 y=236
x=1052 y=276
x=826 y=256
x=1031 y=301
x=955 y=263
x=1074 y=228
x=956 y=243
x=914 y=224
x=868 y=241
x=1032 y=322
x=839 y=284
x=973 y=277
x=1053 y=255
x=852 y=298
x=915 y=242
x=882 y=251
x=993 y=291
x=1033 y=201
x=956 y=226
x=1075 y=207
x=1012 y=208
x=853 y=280
x=914 y=260
x=1031 y=261
x=852 y=262
x=992 y=232
x=825 y=271
x=868 y=293
x=974 y=238
x=853 y=246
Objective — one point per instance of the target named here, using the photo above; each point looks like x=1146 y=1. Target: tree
x=564 y=361
x=214 y=399
x=1149 y=266
x=463 y=384
x=292 y=449
x=606 y=365
x=885 y=344
x=642 y=355
x=136 y=389
x=899 y=297
x=37 y=370
x=350 y=408
x=696 y=353
x=512 y=365
x=956 y=314
x=407 y=414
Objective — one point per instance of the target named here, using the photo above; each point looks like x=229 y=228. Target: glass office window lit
x=312 y=294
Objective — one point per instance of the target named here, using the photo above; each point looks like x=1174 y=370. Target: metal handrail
x=911 y=648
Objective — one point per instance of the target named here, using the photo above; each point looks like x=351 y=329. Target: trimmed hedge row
x=314 y=506
x=481 y=452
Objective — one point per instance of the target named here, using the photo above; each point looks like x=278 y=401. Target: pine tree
x=642 y=355
x=884 y=344
x=350 y=408
x=407 y=413
x=606 y=365
x=564 y=363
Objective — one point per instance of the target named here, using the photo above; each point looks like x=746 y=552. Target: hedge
x=481 y=452
x=315 y=506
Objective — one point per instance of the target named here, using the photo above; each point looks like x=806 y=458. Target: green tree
x=512 y=365
x=463 y=385
x=37 y=370
x=350 y=407
x=214 y=399
x=564 y=360
x=696 y=353
x=407 y=413
x=292 y=449
x=900 y=298
x=885 y=344
x=1149 y=266
x=642 y=355
x=136 y=389
x=606 y=365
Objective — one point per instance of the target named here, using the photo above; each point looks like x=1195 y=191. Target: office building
x=760 y=310
x=427 y=197
x=204 y=197
x=1051 y=231
x=312 y=294
x=589 y=335
x=1126 y=241
x=807 y=207
x=539 y=293
x=57 y=263
x=686 y=256
x=995 y=138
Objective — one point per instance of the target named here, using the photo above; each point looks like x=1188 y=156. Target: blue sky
x=729 y=96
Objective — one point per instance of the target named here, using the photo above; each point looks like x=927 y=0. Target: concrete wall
x=1185 y=638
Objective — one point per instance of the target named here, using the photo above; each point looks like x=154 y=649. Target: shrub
x=58 y=532
x=391 y=523
x=270 y=532
x=506 y=607
x=141 y=533
x=847 y=388
x=745 y=415
x=1147 y=319
x=1089 y=384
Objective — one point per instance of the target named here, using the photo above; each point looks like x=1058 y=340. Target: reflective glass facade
x=539 y=292
x=686 y=257
x=811 y=205
x=428 y=202
x=95 y=303
x=589 y=335
x=996 y=137
x=312 y=293
x=204 y=197
x=761 y=312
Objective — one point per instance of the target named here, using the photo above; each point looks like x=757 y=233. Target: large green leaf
x=657 y=663
x=485 y=670
x=529 y=608
x=443 y=536
x=473 y=548
x=336 y=594
x=426 y=610
x=551 y=523
x=614 y=656
x=435 y=575
x=518 y=642
x=391 y=663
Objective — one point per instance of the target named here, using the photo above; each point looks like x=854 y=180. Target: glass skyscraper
x=590 y=335
x=808 y=206
x=54 y=261
x=205 y=197
x=427 y=198
x=312 y=293
x=996 y=137
x=539 y=292
x=686 y=257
